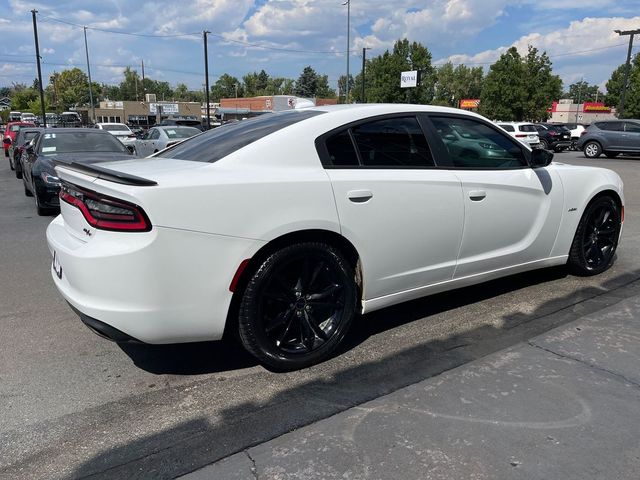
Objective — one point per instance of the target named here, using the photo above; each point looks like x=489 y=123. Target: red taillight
x=584 y=132
x=105 y=213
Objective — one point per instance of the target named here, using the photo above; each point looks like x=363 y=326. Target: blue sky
x=283 y=36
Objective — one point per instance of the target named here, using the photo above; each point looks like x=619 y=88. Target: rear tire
x=596 y=239
x=544 y=144
x=298 y=306
x=592 y=149
x=27 y=192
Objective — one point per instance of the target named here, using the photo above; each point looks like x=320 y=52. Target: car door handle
x=477 y=195
x=360 y=196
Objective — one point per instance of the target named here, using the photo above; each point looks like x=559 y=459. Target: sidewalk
x=565 y=405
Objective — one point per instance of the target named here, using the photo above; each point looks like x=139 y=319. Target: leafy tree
x=262 y=81
x=542 y=87
x=455 y=83
x=632 y=95
x=323 y=89
x=21 y=99
x=342 y=85
x=307 y=84
x=130 y=87
x=583 y=92
x=383 y=75
x=225 y=87
x=518 y=88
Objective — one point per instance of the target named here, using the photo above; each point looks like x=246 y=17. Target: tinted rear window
x=215 y=144
x=610 y=126
x=527 y=128
x=84 y=140
x=508 y=128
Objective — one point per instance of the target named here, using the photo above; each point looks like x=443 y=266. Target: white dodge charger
x=284 y=227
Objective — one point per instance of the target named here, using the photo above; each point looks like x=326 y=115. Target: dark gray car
x=611 y=137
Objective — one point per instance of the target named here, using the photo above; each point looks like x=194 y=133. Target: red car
x=10 y=133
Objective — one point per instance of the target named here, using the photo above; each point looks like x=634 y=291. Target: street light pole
x=206 y=77
x=348 y=4
x=364 y=55
x=631 y=33
x=86 y=50
x=35 y=34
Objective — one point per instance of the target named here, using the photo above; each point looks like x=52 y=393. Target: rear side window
x=395 y=142
x=215 y=144
x=527 y=128
x=392 y=142
x=631 y=127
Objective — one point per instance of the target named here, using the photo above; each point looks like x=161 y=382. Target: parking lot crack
x=588 y=364
x=254 y=468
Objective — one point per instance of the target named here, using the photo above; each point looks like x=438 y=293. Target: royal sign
x=409 y=79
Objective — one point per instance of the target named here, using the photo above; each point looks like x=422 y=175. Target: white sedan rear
x=284 y=227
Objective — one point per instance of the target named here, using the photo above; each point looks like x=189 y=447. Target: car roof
x=76 y=130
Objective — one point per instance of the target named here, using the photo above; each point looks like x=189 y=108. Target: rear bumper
x=104 y=330
x=162 y=286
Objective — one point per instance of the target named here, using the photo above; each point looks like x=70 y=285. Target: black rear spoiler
x=108 y=175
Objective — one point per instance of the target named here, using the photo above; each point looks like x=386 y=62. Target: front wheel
x=592 y=150
x=298 y=306
x=596 y=238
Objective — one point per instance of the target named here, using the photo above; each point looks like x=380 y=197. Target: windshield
x=181 y=132
x=115 y=127
x=83 y=141
x=215 y=144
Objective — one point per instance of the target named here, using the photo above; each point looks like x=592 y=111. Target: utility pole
x=348 y=4
x=364 y=54
x=631 y=33
x=35 y=34
x=206 y=77
x=144 y=90
x=86 y=50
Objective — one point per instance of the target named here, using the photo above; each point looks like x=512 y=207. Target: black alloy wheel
x=596 y=239
x=298 y=306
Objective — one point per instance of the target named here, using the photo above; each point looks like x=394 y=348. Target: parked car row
x=34 y=152
x=548 y=136
x=611 y=138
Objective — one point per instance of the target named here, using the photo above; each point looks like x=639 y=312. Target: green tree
x=131 y=85
x=307 y=83
x=455 y=83
x=632 y=95
x=225 y=87
x=519 y=88
x=323 y=89
x=542 y=87
x=583 y=92
x=383 y=75
x=21 y=99
x=342 y=86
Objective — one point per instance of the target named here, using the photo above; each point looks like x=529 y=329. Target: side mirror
x=7 y=140
x=540 y=158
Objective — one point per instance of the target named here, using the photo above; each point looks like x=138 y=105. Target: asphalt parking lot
x=75 y=405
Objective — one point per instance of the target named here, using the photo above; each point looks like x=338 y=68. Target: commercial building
x=238 y=108
x=565 y=111
x=143 y=114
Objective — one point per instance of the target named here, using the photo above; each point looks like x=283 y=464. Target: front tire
x=596 y=239
x=592 y=150
x=298 y=306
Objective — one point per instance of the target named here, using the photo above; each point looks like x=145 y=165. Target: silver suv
x=611 y=137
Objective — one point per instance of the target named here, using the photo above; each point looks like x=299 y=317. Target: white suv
x=523 y=131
